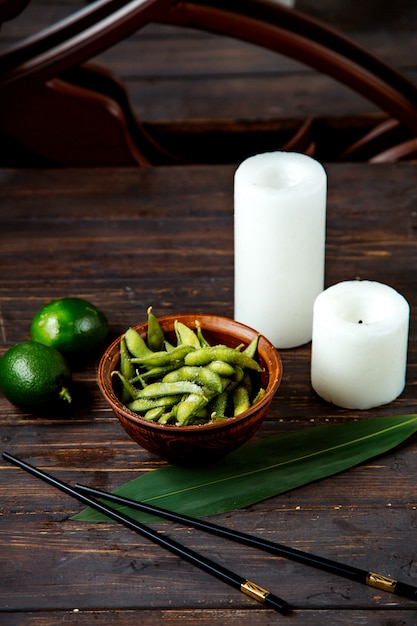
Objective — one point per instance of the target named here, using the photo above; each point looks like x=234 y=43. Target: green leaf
x=263 y=468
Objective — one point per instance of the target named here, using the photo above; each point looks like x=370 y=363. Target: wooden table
x=128 y=238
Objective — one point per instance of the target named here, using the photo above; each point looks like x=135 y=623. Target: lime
x=33 y=375
x=71 y=325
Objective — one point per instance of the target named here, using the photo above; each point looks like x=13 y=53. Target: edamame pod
x=127 y=368
x=129 y=390
x=221 y=368
x=203 y=356
x=247 y=383
x=155 y=335
x=156 y=372
x=142 y=405
x=153 y=415
x=219 y=404
x=240 y=399
x=162 y=358
x=154 y=390
x=187 y=407
x=136 y=344
x=167 y=418
x=185 y=335
x=200 y=375
x=203 y=341
x=252 y=347
x=239 y=373
x=259 y=395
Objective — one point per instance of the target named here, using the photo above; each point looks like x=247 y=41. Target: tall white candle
x=359 y=347
x=280 y=224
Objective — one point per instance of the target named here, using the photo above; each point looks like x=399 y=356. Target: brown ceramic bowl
x=188 y=445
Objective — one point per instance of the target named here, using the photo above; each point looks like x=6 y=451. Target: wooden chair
x=11 y=8
x=60 y=107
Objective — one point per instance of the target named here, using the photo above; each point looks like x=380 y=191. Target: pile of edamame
x=189 y=382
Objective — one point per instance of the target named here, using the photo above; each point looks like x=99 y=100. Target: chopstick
x=369 y=578
x=236 y=581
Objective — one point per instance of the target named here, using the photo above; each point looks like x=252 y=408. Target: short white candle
x=359 y=347
x=280 y=226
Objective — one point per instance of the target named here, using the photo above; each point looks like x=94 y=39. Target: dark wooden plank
x=78 y=563
x=207 y=617
x=110 y=466
x=181 y=52
x=368 y=16
x=253 y=98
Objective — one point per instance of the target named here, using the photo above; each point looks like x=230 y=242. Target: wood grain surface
x=127 y=238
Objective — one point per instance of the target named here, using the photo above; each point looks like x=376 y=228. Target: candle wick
x=360 y=322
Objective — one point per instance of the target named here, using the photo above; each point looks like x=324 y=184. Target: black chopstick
x=227 y=576
x=371 y=579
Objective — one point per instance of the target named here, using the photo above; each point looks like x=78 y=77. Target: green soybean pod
x=203 y=356
x=162 y=358
x=187 y=407
x=186 y=335
x=153 y=415
x=129 y=391
x=259 y=395
x=203 y=341
x=142 y=405
x=127 y=368
x=136 y=344
x=252 y=347
x=219 y=404
x=201 y=375
x=158 y=372
x=247 y=382
x=222 y=368
x=240 y=399
x=239 y=373
x=200 y=416
x=155 y=335
x=210 y=379
x=167 y=418
x=154 y=390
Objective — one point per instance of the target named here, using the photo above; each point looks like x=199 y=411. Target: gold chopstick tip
x=381 y=582
x=254 y=591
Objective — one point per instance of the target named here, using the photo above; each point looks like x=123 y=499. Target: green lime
x=71 y=325
x=33 y=375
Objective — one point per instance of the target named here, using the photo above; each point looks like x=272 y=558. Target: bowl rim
x=109 y=394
